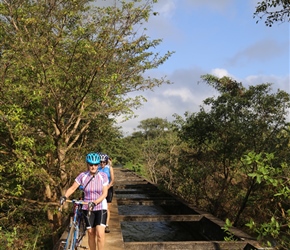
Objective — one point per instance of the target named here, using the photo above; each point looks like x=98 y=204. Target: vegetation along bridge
x=143 y=217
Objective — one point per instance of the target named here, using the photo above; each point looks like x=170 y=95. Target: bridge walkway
x=128 y=184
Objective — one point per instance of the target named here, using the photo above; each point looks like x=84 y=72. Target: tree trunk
x=244 y=203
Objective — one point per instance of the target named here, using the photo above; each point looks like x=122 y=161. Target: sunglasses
x=91 y=165
x=103 y=162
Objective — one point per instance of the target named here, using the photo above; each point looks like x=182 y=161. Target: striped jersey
x=93 y=188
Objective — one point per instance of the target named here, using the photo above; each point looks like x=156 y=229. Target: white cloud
x=278 y=82
x=184 y=94
x=220 y=72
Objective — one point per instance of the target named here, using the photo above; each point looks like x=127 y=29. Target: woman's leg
x=109 y=200
x=108 y=213
x=92 y=238
x=101 y=237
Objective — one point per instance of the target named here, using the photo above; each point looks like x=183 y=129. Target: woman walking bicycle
x=77 y=228
x=95 y=188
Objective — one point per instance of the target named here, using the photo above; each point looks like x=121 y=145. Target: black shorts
x=110 y=195
x=96 y=218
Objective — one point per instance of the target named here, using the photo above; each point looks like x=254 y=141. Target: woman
x=106 y=167
x=95 y=187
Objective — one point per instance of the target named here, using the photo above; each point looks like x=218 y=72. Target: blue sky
x=211 y=37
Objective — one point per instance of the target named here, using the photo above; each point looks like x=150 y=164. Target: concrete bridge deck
x=127 y=182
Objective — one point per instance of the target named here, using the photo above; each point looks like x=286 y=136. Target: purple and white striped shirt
x=94 y=189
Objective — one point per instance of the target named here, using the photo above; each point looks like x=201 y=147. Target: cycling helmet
x=93 y=158
x=104 y=158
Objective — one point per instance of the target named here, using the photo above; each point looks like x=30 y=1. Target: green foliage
x=10 y=238
x=227 y=158
x=226 y=228
x=29 y=231
x=275 y=179
x=274 y=10
x=138 y=168
x=129 y=153
x=158 y=149
x=67 y=68
x=264 y=171
x=153 y=151
x=221 y=137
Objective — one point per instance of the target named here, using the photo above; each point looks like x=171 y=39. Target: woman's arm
x=71 y=190
x=112 y=176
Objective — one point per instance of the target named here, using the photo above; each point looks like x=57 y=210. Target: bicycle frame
x=74 y=238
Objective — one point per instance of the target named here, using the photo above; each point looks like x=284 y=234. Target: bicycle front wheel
x=82 y=231
x=70 y=241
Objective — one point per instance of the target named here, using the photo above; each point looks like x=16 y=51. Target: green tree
x=154 y=151
x=158 y=150
x=66 y=67
x=236 y=122
x=131 y=154
x=274 y=11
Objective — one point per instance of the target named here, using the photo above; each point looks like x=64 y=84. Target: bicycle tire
x=82 y=232
x=70 y=239
x=75 y=239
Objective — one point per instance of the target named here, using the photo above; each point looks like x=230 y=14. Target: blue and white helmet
x=93 y=158
x=104 y=158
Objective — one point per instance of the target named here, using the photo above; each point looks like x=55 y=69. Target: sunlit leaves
x=276 y=180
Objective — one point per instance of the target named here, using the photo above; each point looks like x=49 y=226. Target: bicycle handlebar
x=75 y=201
x=78 y=202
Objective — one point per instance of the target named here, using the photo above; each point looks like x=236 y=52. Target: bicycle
x=77 y=227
